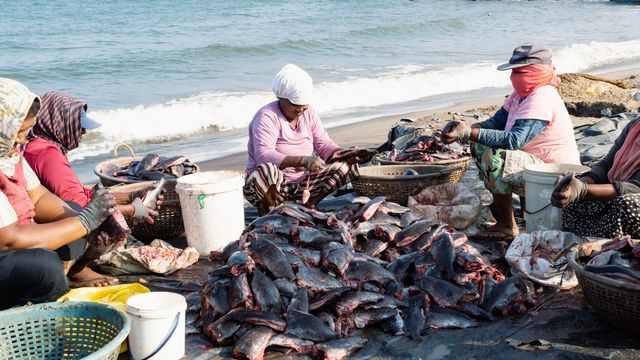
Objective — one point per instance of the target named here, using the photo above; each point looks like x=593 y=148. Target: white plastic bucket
x=157 y=326
x=212 y=208
x=539 y=181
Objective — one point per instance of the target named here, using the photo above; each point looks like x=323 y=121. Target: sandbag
x=455 y=204
x=158 y=257
x=532 y=255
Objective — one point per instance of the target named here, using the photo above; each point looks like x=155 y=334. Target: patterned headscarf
x=15 y=102
x=60 y=120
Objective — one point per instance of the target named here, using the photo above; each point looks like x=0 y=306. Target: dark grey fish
x=363 y=271
x=469 y=261
x=294 y=212
x=414 y=318
x=369 y=209
x=393 y=325
x=253 y=317
x=613 y=269
x=300 y=301
x=272 y=222
x=381 y=218
x=488 y=283
x=443 y=292
x=388 y=207
x=374 y=247
x=240 y=292
x=240 y=263
x=352 y=300
x=267 y=254
x=439 y=318
x=336 y=257
x=308 y=327
x=222 y=271
x=475 y=311
x=223 y=329
x=286 y=287
x=386 y=232
x=273 y=237
x=386 y=302
x=412 y=232
x=166 y=162
x=506 y=291
x=340 y=348
x=252 y=344
x=229 y=250
x=327 y=298
x=401 y=265
x=362 y=229
x=363 y=317
x=409 y=218
x=300 y=346
x=316 y=280
x=328 y=319
x=313 y=237
x=310 y=257
x=425 y=241
x=215 y=298
x=423 y=263
x=265 y=293
x=444 y=255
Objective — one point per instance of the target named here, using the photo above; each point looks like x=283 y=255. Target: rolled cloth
x=293 y=84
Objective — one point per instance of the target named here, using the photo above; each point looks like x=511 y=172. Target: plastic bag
x=455 y=204
x=539 y=257
x=158 y=257
x=115 y=295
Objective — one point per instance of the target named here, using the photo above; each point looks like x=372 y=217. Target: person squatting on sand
x=60 y=125
x=605 y=201
x=532 y=126
x=40 y=235
x=283 y=136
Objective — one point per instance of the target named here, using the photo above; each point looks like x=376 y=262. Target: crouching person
x=41 y=237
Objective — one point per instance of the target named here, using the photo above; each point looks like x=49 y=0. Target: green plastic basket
x=69 y=330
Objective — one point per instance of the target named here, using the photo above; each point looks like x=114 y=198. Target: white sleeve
x=30 y=176
x=7 y=214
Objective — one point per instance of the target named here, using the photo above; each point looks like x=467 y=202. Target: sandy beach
x=373 y=132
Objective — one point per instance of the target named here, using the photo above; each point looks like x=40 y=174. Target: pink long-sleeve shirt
x=271 y=139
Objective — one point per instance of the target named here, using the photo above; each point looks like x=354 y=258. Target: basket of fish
x=459 y=166
x=133 y=169
x=398 y=182
x=609 y=273
x=168 y=224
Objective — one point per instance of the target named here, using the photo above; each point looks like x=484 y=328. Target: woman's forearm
x=603 y=192
x=291 y=161
x=47 y=236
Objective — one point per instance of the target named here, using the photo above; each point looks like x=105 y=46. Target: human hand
x=143 y=212
x=456 y=130
x=312 y=163
x=568 y=189
x=100 y=207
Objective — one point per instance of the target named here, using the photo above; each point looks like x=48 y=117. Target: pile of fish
x=156 y=167
x=425 y=148
x=619 y=259
x=310 y=281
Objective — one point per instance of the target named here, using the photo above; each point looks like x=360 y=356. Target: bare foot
x=89 y=278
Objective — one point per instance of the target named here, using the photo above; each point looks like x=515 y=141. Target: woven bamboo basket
x=615 y=301
x=459 y=166
x=390 y=181
x=169 y=222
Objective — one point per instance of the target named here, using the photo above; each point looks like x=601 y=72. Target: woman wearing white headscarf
x=283 y=137
x=38 y=231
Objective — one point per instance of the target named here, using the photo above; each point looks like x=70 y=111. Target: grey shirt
x=600 y=170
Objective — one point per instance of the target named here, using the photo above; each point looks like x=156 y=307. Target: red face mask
x=528 y=78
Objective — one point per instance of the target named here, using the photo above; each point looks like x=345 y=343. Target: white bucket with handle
x=539 y=182
x=157 y=326
x=212 y=209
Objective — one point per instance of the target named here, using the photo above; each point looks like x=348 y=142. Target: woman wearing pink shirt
x=532 y=126
x=289 y=150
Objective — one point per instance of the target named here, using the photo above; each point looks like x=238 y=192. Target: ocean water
x=186 y=77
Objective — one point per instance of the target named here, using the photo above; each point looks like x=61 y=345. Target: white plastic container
x=157 y=325
x=539 y=181
x=212 y=208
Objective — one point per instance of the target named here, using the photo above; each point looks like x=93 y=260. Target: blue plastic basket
x=69 y=330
